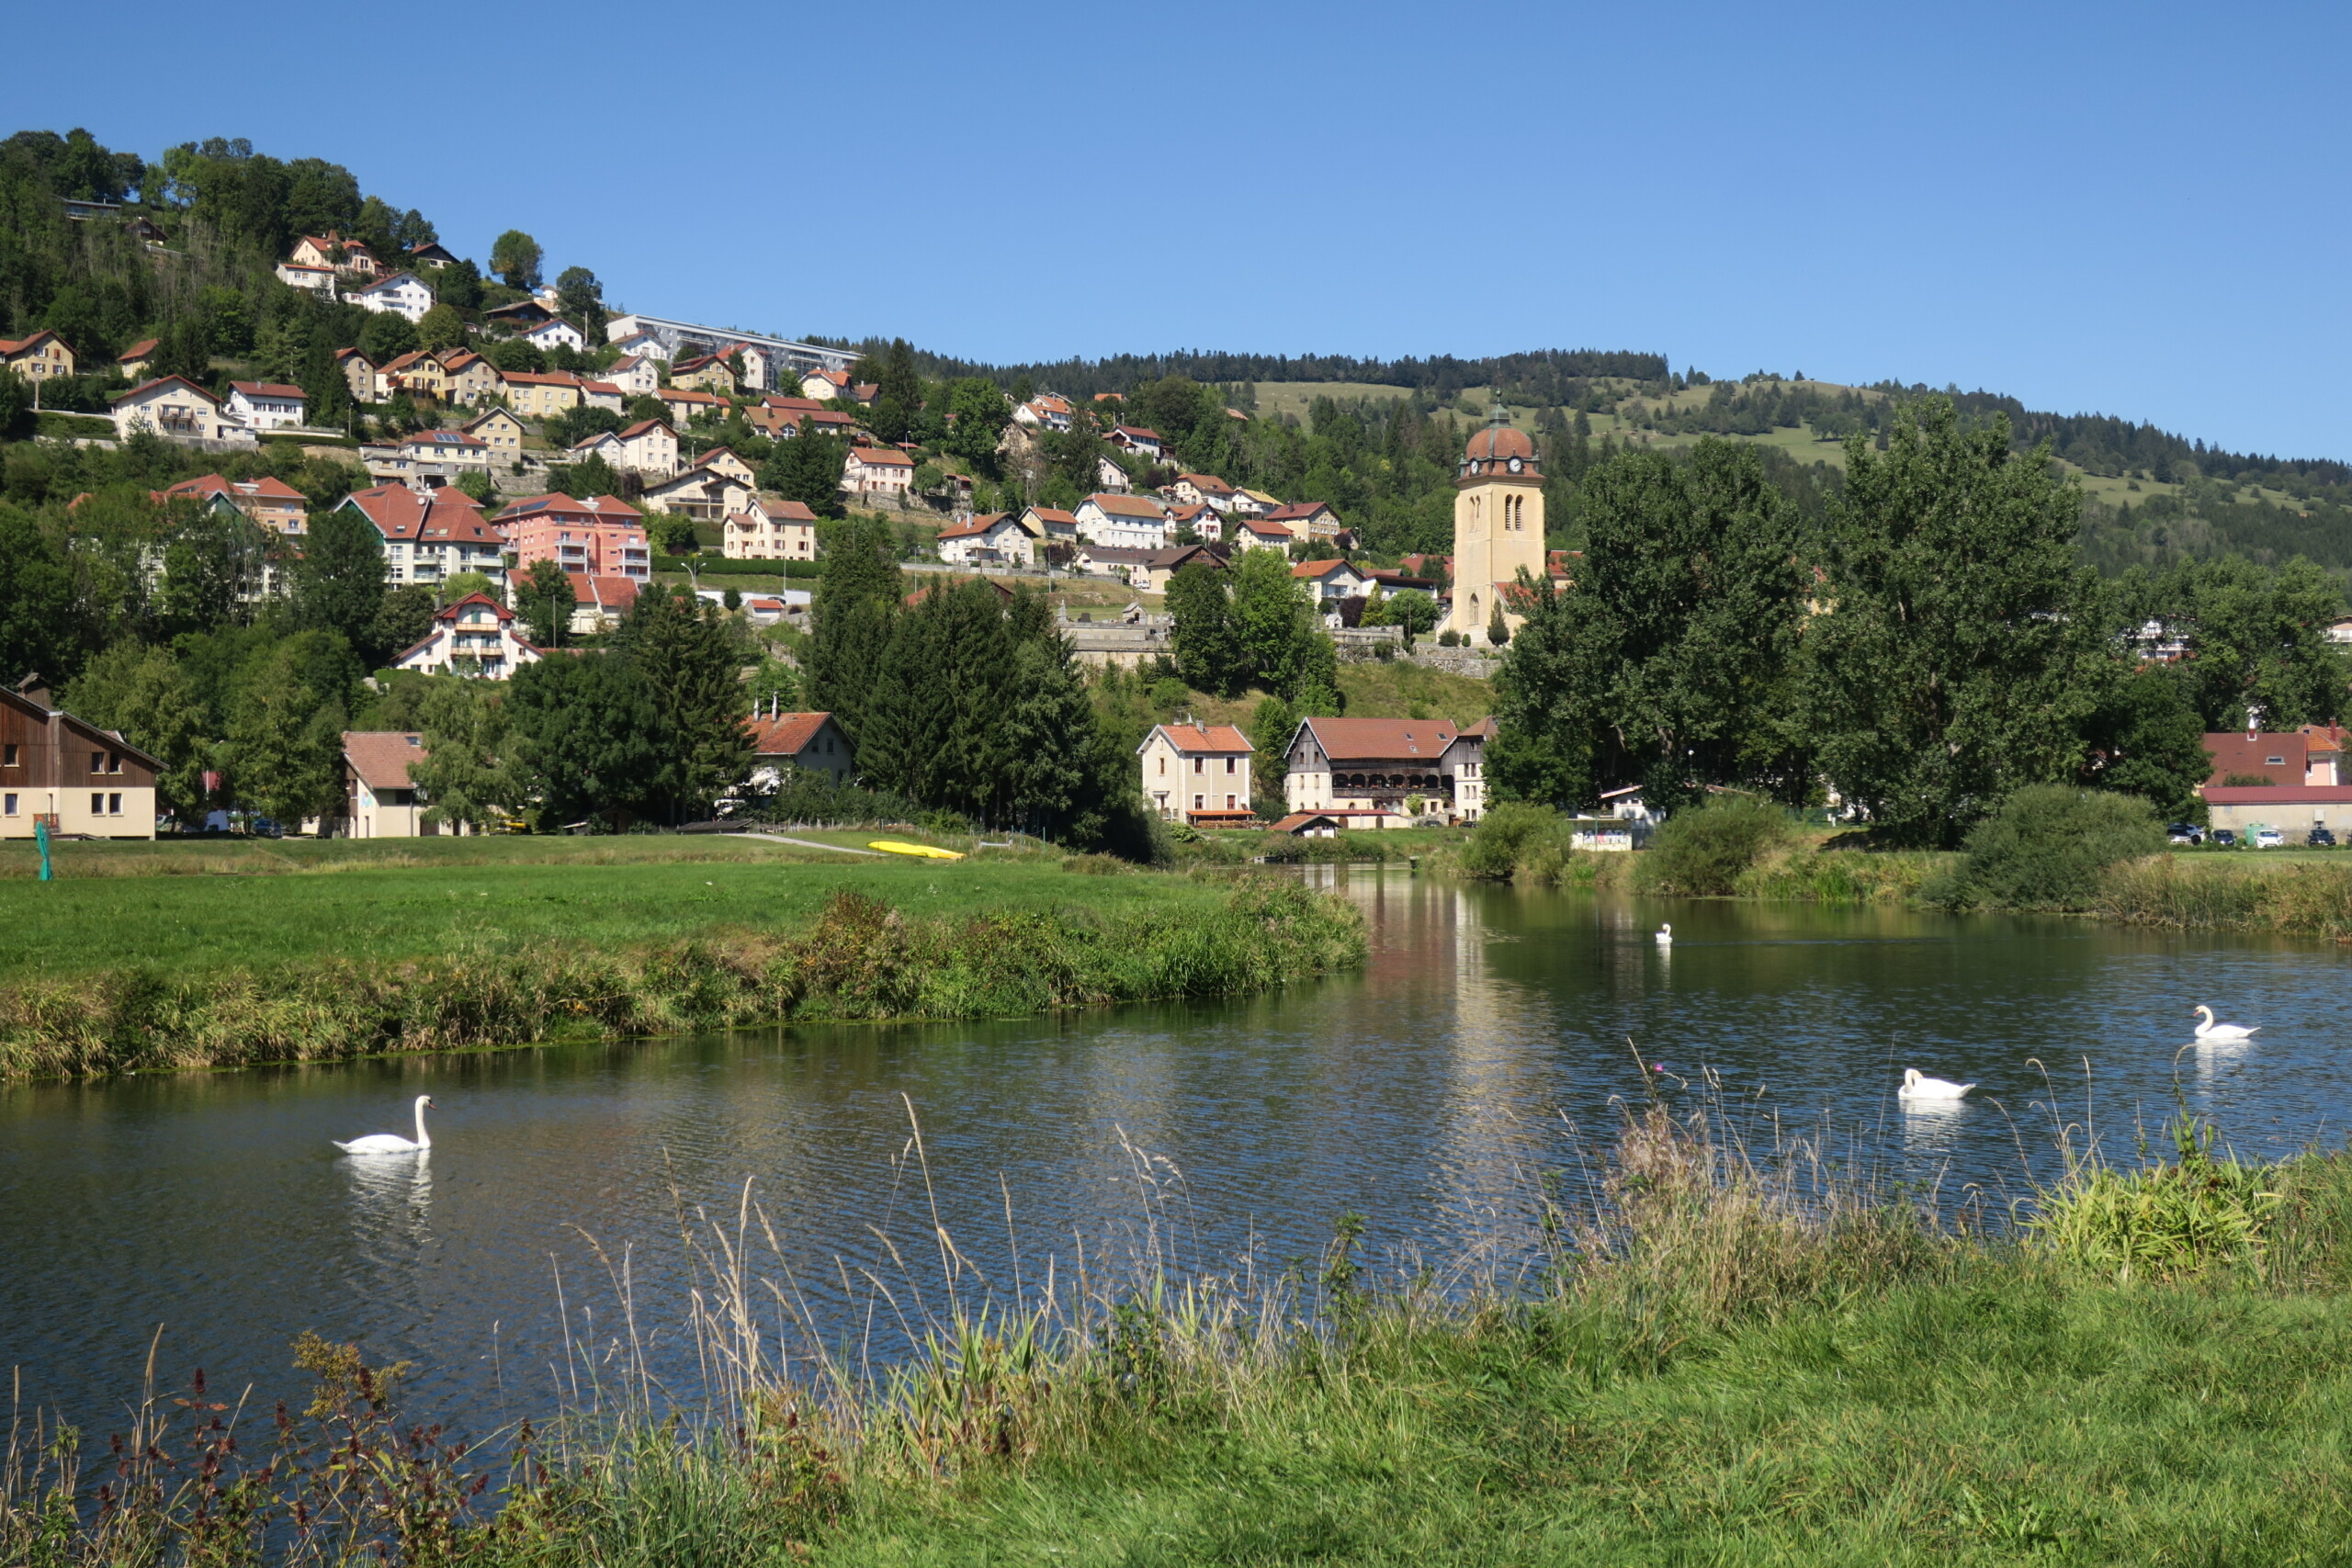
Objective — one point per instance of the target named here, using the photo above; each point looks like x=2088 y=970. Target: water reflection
x=1484 y=1047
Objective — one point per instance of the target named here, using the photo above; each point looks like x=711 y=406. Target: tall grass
x=1711 y=1353
x=860 y=959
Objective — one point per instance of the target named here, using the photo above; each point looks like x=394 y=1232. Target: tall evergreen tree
x=851 y=615
x=694 y=671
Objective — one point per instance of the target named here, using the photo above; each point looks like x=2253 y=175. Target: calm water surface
x=1429 y=1093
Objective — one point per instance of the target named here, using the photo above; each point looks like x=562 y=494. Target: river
x=1484 y=1045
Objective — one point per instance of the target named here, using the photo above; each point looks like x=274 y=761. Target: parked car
x=2185 y=833
x=2321 y=838
x=2267 y=838
x=2223 y=837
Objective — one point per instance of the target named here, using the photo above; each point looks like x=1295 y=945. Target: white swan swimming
x=392 y=1143
x=2209 y=1030
x=1666 y=934
x=1917 y=1085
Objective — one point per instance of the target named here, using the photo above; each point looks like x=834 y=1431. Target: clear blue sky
x=2136 y=209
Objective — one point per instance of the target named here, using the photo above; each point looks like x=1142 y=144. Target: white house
x=1123 y=521
x=638 y=375
x=267 y=405
x=177 y=409
x=1330 y=581
x=317 y=280
x=998 y=538
x=649 y=446
x=1111 y=477
x=557 y=333
x=1204 y=521
x=604 y=395
x=1045 y=411
x=1138 y=439
x=475 y=636
x=1197 y=772
x=877 y=471
x=403 y=294
x=638 y=343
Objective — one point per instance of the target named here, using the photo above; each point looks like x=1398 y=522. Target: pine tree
x=851 y=616
x=693 y=673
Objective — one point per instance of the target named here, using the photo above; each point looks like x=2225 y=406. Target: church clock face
x=1514 y=464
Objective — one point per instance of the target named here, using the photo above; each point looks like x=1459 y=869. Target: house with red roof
x=1387 y=772
x=2292 y=781
x=769 y=529
x=275 y=504
x=41 y=356
x=995 y=538
x=267 y=405
x=1258 y=533
x=599 y=543
x=553 y=334
x=429 y=535
x=1140 y=439
x=177 y=410
x=878 y=473
x=132 y=362
x=784 y=744
x=1309 y=522
x=685 y=402
x=475 y=636
x=1198 y=774
x=1123 y=522
x=1203 y=490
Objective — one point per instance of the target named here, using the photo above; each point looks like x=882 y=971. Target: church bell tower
x=1497 y=526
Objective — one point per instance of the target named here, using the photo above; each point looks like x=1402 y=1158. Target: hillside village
x=369 y=467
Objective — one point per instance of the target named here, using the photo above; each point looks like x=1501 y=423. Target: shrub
x=2046 y=847
x=1705 y=852
x=1507 y=836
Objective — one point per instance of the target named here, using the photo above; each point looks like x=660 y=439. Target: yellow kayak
x=893 y=846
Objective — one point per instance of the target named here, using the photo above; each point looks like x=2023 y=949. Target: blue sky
x=2136 y=209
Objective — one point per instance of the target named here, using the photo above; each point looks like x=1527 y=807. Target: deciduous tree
x=1961 y=651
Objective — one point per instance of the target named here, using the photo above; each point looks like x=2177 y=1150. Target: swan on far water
x=1917 y=1085
x=392 y=1143
x=1666 y=934
x=2209 y=1030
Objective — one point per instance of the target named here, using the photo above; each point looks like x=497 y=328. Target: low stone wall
x=1477 y=664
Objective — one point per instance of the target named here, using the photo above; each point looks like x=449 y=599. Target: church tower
x=1498 y=524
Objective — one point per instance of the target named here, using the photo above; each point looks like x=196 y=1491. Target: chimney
x=34 y=689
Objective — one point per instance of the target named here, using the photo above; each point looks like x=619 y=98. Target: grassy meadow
x=181 y=908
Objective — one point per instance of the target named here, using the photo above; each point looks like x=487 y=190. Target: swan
x=2209 y=1030
x=392 y=1143
x=1917 y=1085
x=1666 y=934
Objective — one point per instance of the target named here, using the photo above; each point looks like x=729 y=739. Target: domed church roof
x=1499 y=449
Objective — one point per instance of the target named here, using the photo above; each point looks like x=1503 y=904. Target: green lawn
x=342 y=900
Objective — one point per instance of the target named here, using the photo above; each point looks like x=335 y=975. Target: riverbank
x=1713 y=1362
x=240 y=971
x=2287 y=893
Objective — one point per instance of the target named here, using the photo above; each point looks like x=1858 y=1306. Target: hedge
x=719 y=566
